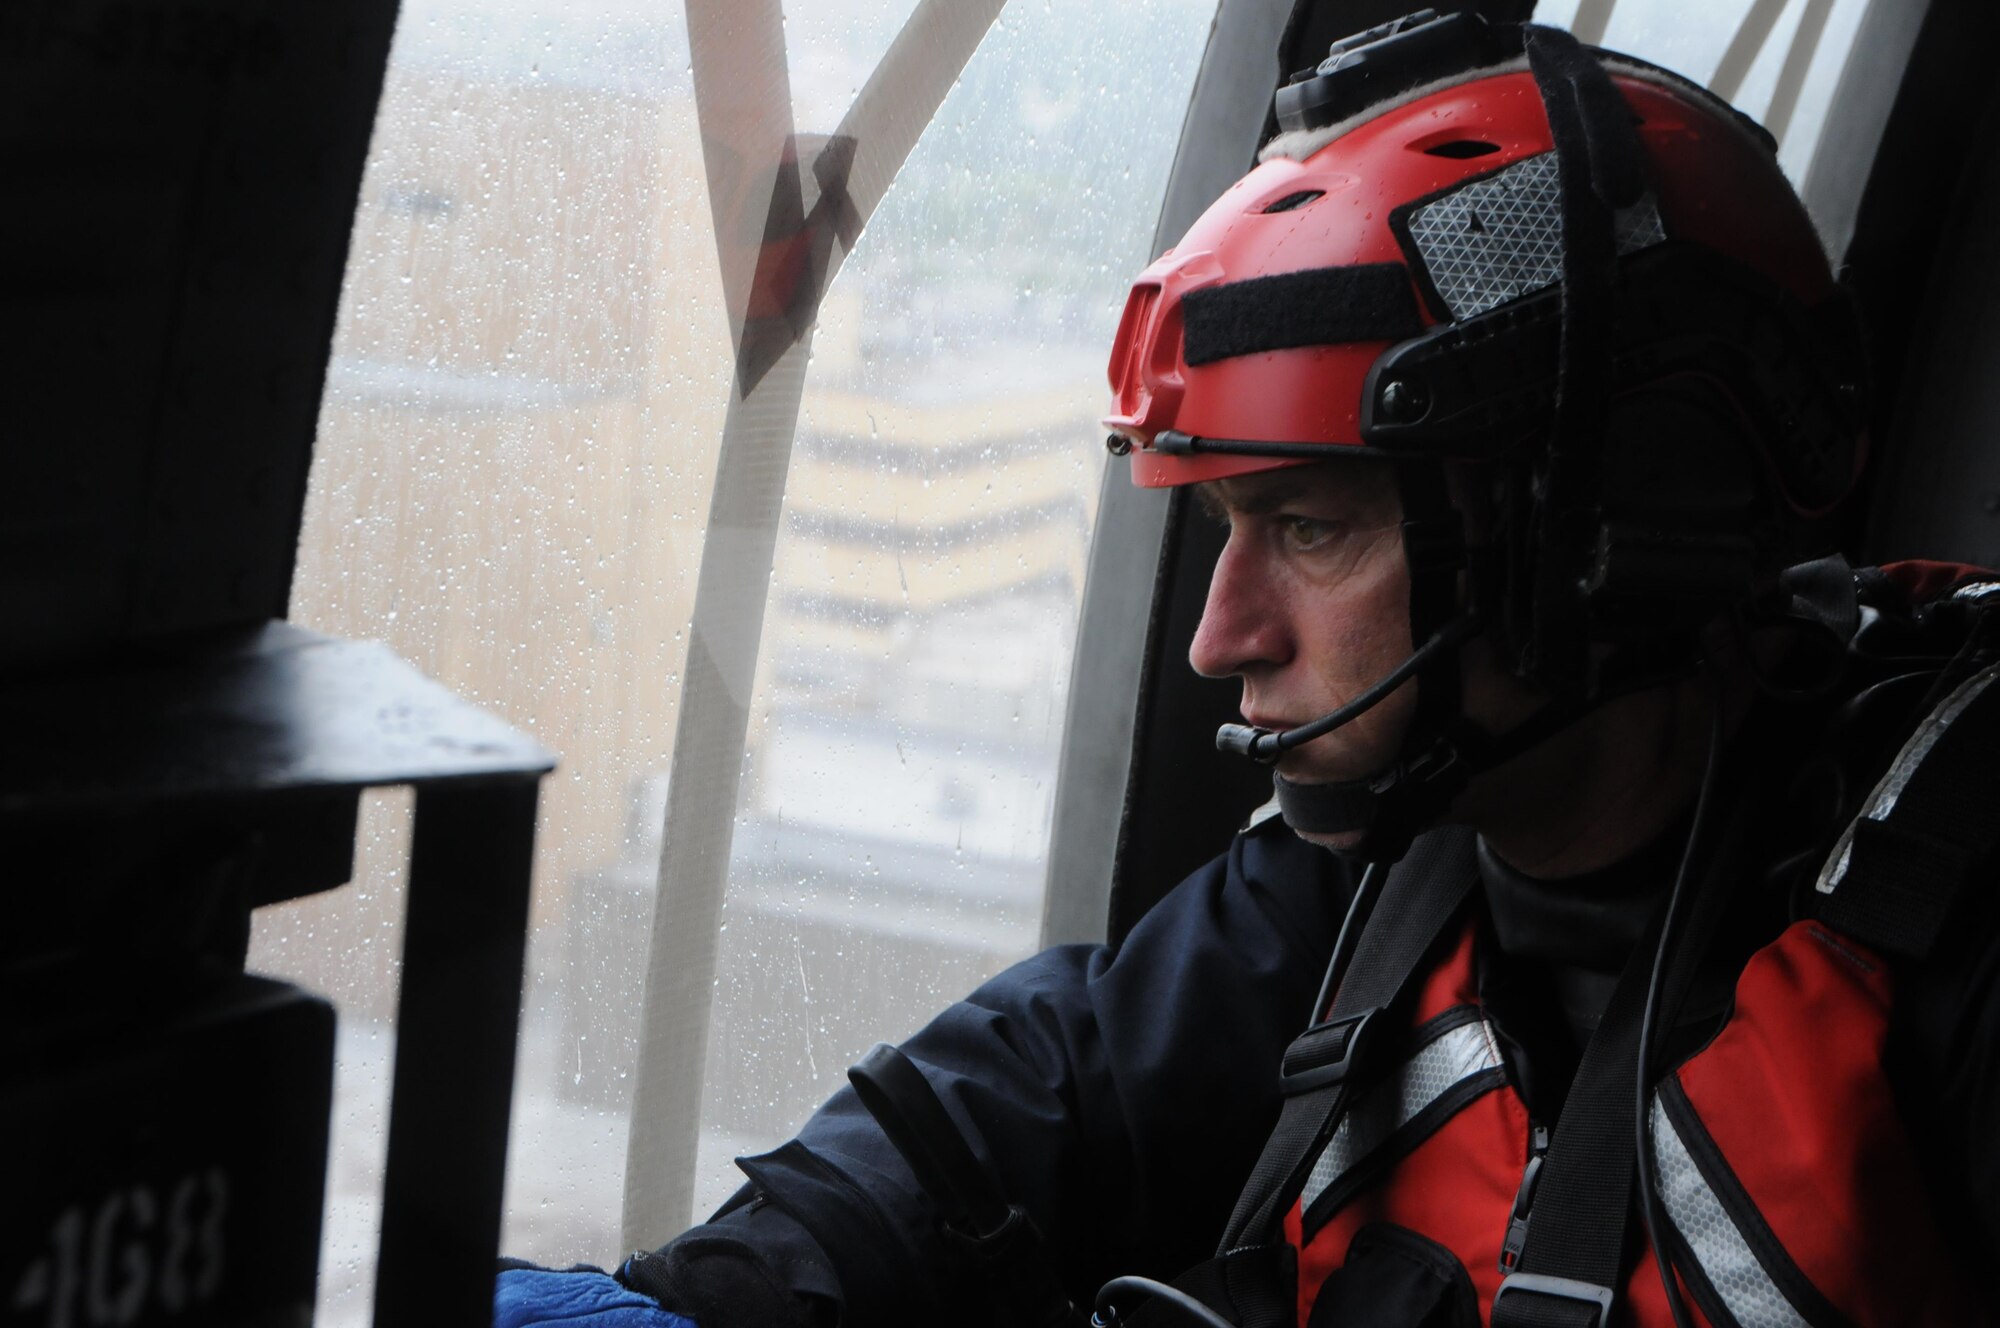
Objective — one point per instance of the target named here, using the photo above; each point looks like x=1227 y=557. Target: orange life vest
x=1782 y=1161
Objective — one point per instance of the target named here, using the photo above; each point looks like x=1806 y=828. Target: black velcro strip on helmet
x=1324 y=306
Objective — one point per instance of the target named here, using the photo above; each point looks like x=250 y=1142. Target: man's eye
x=1304 y=532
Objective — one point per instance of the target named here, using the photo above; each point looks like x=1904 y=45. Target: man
x=1660 y=965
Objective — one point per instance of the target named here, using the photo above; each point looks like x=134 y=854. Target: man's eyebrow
x=1209 y=495
x=1250 y=500
x=1220 y=498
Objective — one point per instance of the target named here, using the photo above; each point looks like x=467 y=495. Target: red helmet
x=1267 y=322
x=1488 y=243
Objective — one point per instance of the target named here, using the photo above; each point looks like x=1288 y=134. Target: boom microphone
x=1265 y=747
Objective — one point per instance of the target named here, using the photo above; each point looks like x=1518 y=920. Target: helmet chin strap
x=1391 y=807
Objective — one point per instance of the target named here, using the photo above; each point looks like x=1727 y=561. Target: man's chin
x=1317 y=768
x=1344 y=842
x=1352 y=807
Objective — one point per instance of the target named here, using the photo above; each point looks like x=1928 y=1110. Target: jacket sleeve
x=1120 y=1095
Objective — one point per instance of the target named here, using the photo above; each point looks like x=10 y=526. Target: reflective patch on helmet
x=1445 y=1062
x=1501 y=236
x=1726 y=1258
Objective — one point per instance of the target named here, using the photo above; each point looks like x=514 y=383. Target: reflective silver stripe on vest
x=1883 y=800
x=1443 y=1063
x=1724 y=1255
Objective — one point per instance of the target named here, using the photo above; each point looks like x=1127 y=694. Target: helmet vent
x=1461 y=148
x=1297 y=200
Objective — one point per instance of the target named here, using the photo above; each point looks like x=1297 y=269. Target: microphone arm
x=1265 y=747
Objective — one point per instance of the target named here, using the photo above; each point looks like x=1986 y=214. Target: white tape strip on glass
x=760 y=172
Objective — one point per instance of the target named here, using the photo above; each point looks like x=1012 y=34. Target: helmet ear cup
x=1681 y=526
x=1680 y=502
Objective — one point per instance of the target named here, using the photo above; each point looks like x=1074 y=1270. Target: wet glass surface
x=510 y=487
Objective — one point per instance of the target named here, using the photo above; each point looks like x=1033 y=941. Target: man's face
x=1310 y=607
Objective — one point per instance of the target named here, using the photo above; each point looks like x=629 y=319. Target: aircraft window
x=515 y=449
x=511 y=483
x=1779 y=61
x=892 y=833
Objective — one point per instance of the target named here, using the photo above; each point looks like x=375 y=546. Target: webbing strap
x=1583 y=1198
x=1417 y=901
x=1899 y=868
x=777 y=255
x=1601 y=166
x=1576 y=1228
x=1324 y=306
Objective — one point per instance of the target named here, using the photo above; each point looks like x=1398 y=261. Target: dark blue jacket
x=1122 y=1096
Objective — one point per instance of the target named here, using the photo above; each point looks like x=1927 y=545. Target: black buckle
x=1347 y=1034
x=1559 y=1288
x=1517 y=1221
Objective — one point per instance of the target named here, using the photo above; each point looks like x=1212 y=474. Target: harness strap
x=1600 y=164
x=1573 y=1255
x=1900 y=866
x=1575 y=1235
x=1576 y=1228
x=1421 y=895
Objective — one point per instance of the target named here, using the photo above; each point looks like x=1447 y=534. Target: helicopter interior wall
x=1924 y=269
x=1186 y=797
x=1120 y=663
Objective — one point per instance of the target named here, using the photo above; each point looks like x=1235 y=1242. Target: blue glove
x=582 y=1296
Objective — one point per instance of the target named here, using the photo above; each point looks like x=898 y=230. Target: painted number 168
x=103 y=1268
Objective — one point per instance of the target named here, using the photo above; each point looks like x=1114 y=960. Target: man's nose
x=1242 y=623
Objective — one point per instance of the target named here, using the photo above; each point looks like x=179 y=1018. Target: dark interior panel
x=171 y=259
